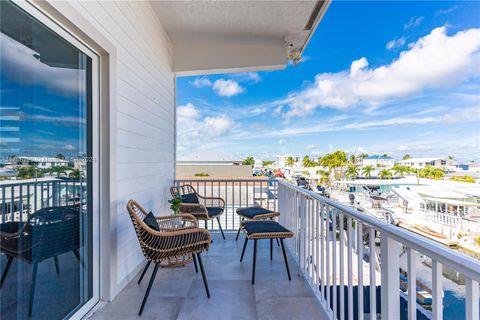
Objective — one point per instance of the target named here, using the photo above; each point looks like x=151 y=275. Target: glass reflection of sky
x=42 y=107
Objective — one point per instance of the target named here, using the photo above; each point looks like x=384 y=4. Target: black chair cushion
x=151 y=221
x=252 y=212
x=214 y=211
x=190 y=198
x=255 y=227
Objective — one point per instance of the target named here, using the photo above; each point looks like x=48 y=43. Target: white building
x=420 y=163
x=378 y=161
x=43 y=162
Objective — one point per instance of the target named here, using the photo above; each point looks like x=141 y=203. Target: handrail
x=461 y=263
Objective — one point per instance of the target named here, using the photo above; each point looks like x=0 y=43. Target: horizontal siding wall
x=145 y=116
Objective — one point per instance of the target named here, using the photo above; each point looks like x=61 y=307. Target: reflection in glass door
x=46 y=169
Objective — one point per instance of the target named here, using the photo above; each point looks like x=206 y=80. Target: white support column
x=390 y=278
x=412 y=284
x=471 y=299
x=437 y=290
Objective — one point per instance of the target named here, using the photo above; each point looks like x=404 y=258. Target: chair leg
x=154 y=274
x=244 y=247
x=144 y=271
x=77 y=255
x=220 y=226
x=5 y=271
x=206 y=224
x=254 y=259
x=57 y=268
x=239 y=229
x=271 y=249
x=285 y=258
x=203 y=274
x=278 y=243
x=32 y=288
x=195 y=262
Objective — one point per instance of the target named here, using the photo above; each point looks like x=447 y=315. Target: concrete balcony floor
x=179 y=293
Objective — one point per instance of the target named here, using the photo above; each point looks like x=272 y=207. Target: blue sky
x=377 y=77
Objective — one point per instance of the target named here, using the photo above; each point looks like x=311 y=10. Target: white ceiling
x=251 y=28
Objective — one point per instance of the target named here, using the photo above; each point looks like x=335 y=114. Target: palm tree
x=353 y=159
x=290 y=161
x=352 y=172
x=367 y=171
x=325 y=176
x=385 y=174
x=307 y=163
x=400 y=170
x=337 y=159
x=406 y=157
x=249 y=161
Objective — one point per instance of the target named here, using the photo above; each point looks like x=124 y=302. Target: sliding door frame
x=95 y=113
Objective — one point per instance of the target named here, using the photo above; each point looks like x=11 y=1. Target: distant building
x=258 y=163
x=281 y=161
x=212 y=163
x=419 y=163
x=378 y=161
x=42 y=162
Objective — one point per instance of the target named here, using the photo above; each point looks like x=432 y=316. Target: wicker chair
x=178 y=236
x=202 y=208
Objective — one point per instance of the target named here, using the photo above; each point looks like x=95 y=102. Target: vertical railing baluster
x=360 y=269
x=4 y=206
x=471 y=299
x=20 y=202
x=437 y=290
x=373 y=286
x=390 y=263
x=327 y=265
x=342 y=265
x=412 y=284
x=322 y=260
x=29 y=210
x=12 y=203
x=317 y=246
x=334 y=264
x=350 y=268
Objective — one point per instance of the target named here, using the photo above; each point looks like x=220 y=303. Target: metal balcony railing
x=20 y=199
x=237 y=193
x=336 y=248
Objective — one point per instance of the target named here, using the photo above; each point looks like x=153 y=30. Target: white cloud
x=202 y=82
x=69 y=147
x=281 y=142
x=217 y=126
x=413 y=23
x=446 y=11
x=396 y=43
x=227 y=88
x=311 y=146
x=196 y=131
x=187 y=111
x=251 y=77
x=435 y=61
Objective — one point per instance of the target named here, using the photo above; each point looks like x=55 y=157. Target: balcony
x=336 y=256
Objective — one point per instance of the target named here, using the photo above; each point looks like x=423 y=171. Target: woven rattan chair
x=202 y=208
x=178 y=236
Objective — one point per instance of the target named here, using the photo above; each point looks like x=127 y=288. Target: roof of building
x=209 y=156
x=379 y=157
x=43 y=159
x=421 y=159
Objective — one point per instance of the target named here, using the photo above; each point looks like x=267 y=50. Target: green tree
x=337 y=159
x=60 y=156
x=353 y=159
x=400 y=170
x=367 y=171
x=308 y=163
x=406 y=157
x=75 y=174
x=362 y=156
x=249 y=161
x=267 y=163
x=29 y=172
x=290 y=161
x=352 y=172
x=430 y=172
x=385 y=174
x=325 y=176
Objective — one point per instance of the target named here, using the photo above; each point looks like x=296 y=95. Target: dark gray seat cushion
x=214 y=211
x=252 y=212
x=255 y=227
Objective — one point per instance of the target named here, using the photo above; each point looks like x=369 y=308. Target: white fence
x=331 y=242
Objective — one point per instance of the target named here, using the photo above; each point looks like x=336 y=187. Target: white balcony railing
x=333 y=242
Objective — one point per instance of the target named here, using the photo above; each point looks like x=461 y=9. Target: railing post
x=437 y=290
x=390 y=277
x=471 y=299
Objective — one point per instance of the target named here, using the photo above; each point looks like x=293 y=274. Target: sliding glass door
x=48 y=173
